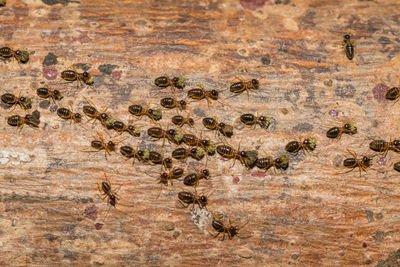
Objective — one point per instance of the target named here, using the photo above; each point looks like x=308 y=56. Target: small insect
x=128 y=152
x=281 y=162
x=347 y=128
x=189 y=198
x=20 y=55
x=230 y=153
x=381 y=145
x=250 y=119
x=106 y=190
x=348 y=47
x=94 y=114
x=308 y=145
x=396 y=166
x=172 y=175
x=139 y=111
x=158 y=132
x=170 y=102
x=68 y=114
x=192 y=140
x=200 y=93
x=353 y=162
x=192 y=179
x=45 y=92
x=393 y=94
x=121 y=127
x=23 y=102
x=157 y=158
x=100 y=144
x=180 y=120
x=229 y=230
x=241 y=86
x=72 y=74
x=183 y=153
x=213 y=124
x=175 y=82
x=32 y=120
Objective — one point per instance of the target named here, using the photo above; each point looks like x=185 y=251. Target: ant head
x=203 y=200
x=214 y=93
x=182 y=103
x=221 y=125
x=193 y=151
x=365 y=160
x=206 y=172
x=306 y=141
x=175 y=79
x=205 y=142
x=168 y=160
x=233 y=230
x=18 y=52
x=86 y=74
x=112 y=197
x=347 y=37
x=262 y=118
x=150 y=111
x=56 y=92
x=347 y=126
x=171 y=132
x=22 y=99
x=131 y=128
x=111 y=144
x=28 y=117
x=255 y=82
x=396 y=142
x=164 y=175
x=77 y=116
x=243 y=154
x=278 y=161
x=140 y=153
x=104 y=116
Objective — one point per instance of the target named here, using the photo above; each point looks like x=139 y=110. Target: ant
x=101 y=144
x=220 y=227
x=173 y=174
x=158 y=132
x=200 y=93
x=157 y=158
x=92 y=112
x=348 y=47
x=183 y=153
x=170 y=102
x=121 y=127
x=281 y=162
x=175 y=82
x=241 y=86
x=383 y=146
x=139 y=111
x=393 y=94
x=308 y=145
x=106 y=191
x=192 y=179
x=72 y=74
x=353 y=162
x=68 y=114
x=213 y=124
x=180 y=120
x=128 y=152
x=45 y=92
x=230 y=153
x=32 y=120
x=347 y=128
x=250 y=119
x=188 y=198
x=192 y=140
x=23 y=102
x=20 y=55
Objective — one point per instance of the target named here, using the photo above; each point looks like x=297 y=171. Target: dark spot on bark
x=70 y=255
x=55 y=2
x=199 y=112
x=384 y=41
x=252 y=4
x=50 y=237
x=50 y=59
x=107 y=68
x=91 y=212
x=83 y=66
x=391 y=261
x=176 y=234
x=53 y=108
x=22 y=73
x=303 y=127
x=266 y=60
x=374 y=123
x=346 y=91
x=98 y=226
x=44 y=104
x=284 y=111
x=379 y=236
x=379 y=92
x=379 y=216
x=282 y=2
x=337 y=160
x=370 y=215
x=295 y=256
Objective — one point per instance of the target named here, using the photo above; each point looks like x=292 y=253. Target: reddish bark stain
x=50 y=73
x=7 y=208
x=381 y=161
x=258 y=174
x=235 y=180
x=379 y=92
x=98 y=226
x=364 y=245
x=82 y=38
x=91 y=212
x=333 y=113
x=253 y=4
x=116 y=74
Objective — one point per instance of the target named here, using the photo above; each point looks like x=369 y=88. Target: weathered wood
x=307 y=215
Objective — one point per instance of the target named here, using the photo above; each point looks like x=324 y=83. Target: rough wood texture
x=307 y=215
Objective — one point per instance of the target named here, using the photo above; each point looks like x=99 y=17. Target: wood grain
x=306 y=216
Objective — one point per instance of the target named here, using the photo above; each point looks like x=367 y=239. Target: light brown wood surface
x=308 y=215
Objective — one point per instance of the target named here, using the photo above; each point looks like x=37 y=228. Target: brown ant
x=68 y=114
x=170 y=102
x=245 y=157
x=173 y=174
x=183 y=153
x=20 y=55
x=347 y=128
x=200 y=93
x=250 y=119
x=121 y=127
x=72 y=74
x=281 y=162
x=139 y=111
x=32 y=120
x=348 y=47
x=158 y=132
x=393 y=94
x=175 y=82
x=188 y=198
x=192 y=140
x=307 y=145
x=92 y=112
x=180 y=120
x=213 y=124
x=381 y=145
x=220 y=227
x=241 y=86
x=101 y=144
x=192 y=179
x=106 y=191
x=353 y=162
x=23 y=102
x=45 y=92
